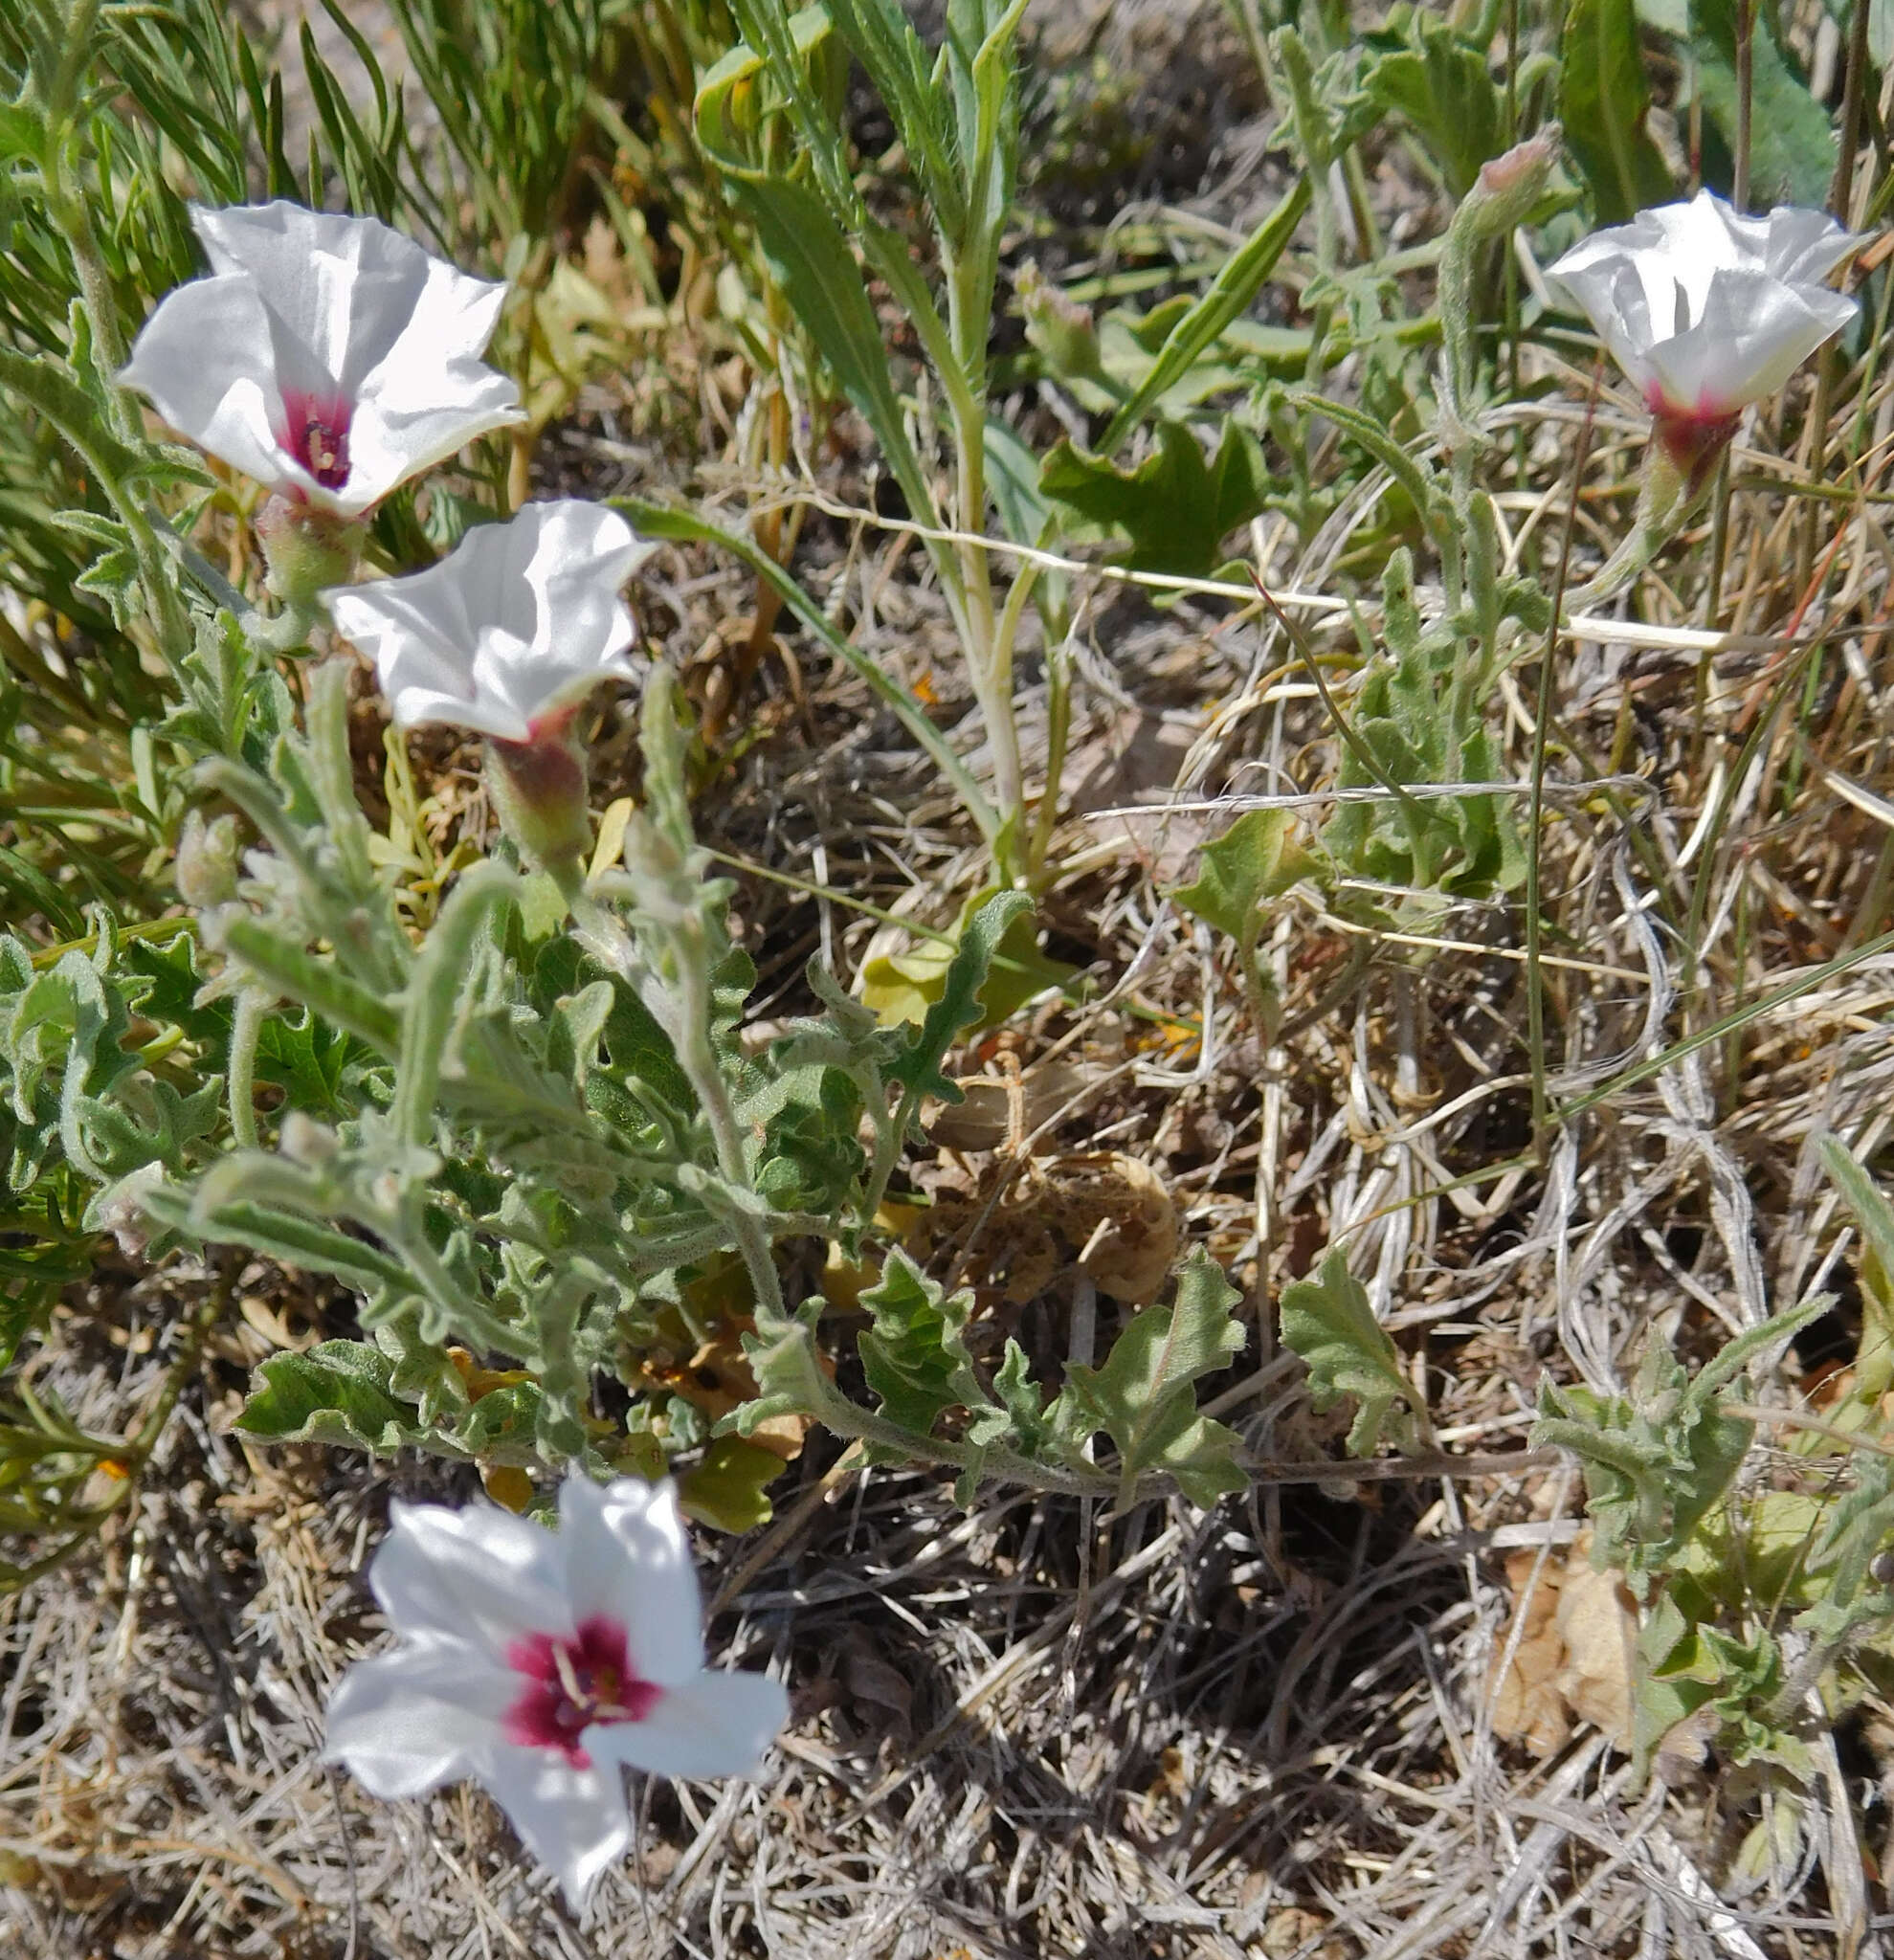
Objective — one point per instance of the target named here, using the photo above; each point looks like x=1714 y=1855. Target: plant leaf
x=1443 y=88
x=1230 y=294
x=960 y=1003
x=336 y=1392
x=1176 y=506
x=913 y=1355
x=824 y=286
x=903 y=987
x=726 y=1489
x=1792 y=142
x=1604 y=100
x=1145 y=1397
x=1254 y=861
x=1329 y=1323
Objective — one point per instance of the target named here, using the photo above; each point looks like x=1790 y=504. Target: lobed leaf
x=1144 y=1397
x=1330 y=1323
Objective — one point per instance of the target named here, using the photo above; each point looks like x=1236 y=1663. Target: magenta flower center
x=316 y=436
x=570 y=1684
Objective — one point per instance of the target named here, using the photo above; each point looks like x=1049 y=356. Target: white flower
x=327 y=357
x=514 y=625
x=1704 y=310
x=542 y=1664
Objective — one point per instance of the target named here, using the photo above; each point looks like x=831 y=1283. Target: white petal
x=627 y=1557
x=1806 y=245
x=425 y=1714
x=358 y=312
x=418 y=632
x=576 y=556
x=1707 y=309
x=718 y=1723
x=230 y=406
x=574 y=1822
x=1753 y=334
x=1607 y=289
x=416 y=706
x=397 y=431
x=520 y=619
x=478 y=1575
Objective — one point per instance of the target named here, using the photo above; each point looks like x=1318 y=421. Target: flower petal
x=362 y=315
x=574 y=1822
x=1754 y=332
x=626 y=1557
x=229 y=405
x=718 y=1723
x=1806 y=245
x=517 y=621
x=425 y=1714
x=1707 y=309
x=478 y=1578
x=574 y=557
x=397 y=431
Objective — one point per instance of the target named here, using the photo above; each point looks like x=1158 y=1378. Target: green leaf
x=788 y=1378
x=20 y=1308
x=825 y=289
x=1176 y=508
x=913 y=1355
x=882 y=41
x=1145 y=1397
x=960 y=1004
x=1842 y=1557
x=727 y=1488
x=1230 y=294
x=336 y=1392
x=1792 y=143
x=1019 y=1419
x=306 y=1059
x=905 y=987
x=319 y=984
x=1874 y=1360
x=1330 y=1323
x=1604 y=101
x=1443 y=88
x=283 y=1235
x=1255 y=860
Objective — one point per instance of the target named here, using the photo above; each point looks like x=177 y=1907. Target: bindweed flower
x=1707 y=310
x=543 y=1664
x=327 y=357
x=505 y=637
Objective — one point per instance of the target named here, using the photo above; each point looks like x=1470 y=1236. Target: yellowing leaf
x=727 y=1490
x=904 y=986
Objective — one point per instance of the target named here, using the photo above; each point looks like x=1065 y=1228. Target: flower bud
x=1059 y=327
x=207 y=860
x=1507 y=186
x=305 y=548
x=119 y=1210
x=539 y=790
x=306 y=1142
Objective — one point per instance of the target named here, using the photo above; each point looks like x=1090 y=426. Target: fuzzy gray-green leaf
x=1330 y=1323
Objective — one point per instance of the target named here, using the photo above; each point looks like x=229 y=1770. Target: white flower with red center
x=329 y=358
x=511 y=629
x=543 y=1664
x=1707 y=310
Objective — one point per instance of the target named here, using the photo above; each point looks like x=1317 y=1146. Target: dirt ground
x=1286 y=1727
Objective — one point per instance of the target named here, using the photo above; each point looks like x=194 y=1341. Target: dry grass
x=1030 y=1729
